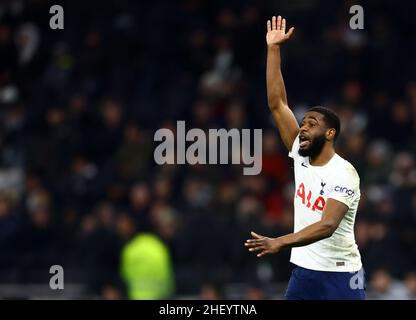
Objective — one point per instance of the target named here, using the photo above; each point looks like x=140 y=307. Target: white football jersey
x=337 y=180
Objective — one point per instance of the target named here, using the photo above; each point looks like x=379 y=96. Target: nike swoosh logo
x=304 y=165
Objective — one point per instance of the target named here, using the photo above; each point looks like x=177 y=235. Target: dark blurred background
x=79 y=108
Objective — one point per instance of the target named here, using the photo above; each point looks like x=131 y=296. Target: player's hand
x=263 y=245
x=276 y=31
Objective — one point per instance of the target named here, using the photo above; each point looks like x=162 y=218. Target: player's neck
x=323 y=158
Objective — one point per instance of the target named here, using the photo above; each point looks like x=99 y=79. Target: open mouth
x=304 y=141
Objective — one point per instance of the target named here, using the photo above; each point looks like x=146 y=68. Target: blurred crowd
x=79 y=108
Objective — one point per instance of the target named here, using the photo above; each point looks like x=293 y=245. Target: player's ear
x=330 y=134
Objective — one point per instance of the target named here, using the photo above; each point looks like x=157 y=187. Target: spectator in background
x=38 y=237
x=134 y=155
x=384 y=287
x=9 y=230
x=410 y=283
x=111 y=293
x=378 y=163
x=401 y=127
x=140 y=203
x=98 y=247
x=108 y=132
x=146 y=268
x=255 y=292
x=211 y=291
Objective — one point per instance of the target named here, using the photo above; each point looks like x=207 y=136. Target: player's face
x=312 y=134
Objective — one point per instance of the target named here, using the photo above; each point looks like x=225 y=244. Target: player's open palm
x=276 y=31
x=262 y=245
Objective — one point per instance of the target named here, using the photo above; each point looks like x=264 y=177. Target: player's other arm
x=276 y=92
x=332 y=215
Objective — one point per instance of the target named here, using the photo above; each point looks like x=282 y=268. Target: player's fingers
x=250 y=244
x=254 y=243
x=255 y=240
x=261 y=254
x=274 y=23
x=255 y=235
x=256 y=249
x=279 y=22
x=269 y=26
x=289 y=33
x=283 y=25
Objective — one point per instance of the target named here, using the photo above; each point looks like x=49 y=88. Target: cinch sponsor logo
x=344 y=190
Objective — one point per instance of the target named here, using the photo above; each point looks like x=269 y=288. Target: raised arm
x=276 y=92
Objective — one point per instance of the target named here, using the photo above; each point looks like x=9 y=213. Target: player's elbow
x=328 y=228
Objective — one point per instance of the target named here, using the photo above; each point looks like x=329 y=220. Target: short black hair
x=330 y=117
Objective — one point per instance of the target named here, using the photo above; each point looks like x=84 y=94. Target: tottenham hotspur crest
x=322 y=188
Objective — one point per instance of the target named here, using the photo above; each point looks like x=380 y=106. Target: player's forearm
x=312 y=233
x=276 y=92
